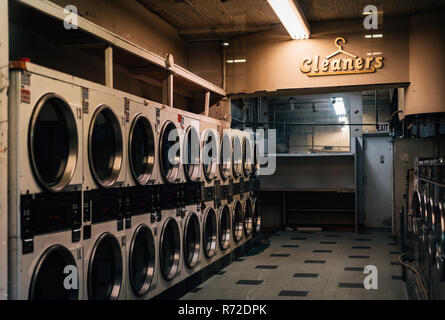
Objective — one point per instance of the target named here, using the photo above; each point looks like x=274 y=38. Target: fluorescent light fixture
x=339 y=106
x=237 y=61
x=226 y=44
x=292 y=17
x=369 y=36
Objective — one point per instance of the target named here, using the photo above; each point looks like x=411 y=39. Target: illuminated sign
x=317 y=66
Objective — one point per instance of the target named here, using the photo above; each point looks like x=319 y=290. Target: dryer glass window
x=142 y=260
x=238 y=222
x=247 y=158
x=257 y=217
x=169 y=152
x=192 y=154
x=248 y=217
x=210 y=155
x=416 y=209
x=105 y=147
x=192 y=240
x=224 y=228
x=210 y=233
x=142 y=150
x=170 y=249
x=53 y=142
x=48 y=278
x=226 y=157
x=236 y=157
x=105 y=269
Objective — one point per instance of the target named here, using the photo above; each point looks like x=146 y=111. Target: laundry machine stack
x=141 y=197
x=116 y=197
x=428 y=223
x=45 y=185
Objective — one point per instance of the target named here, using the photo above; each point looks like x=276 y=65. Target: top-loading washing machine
x=45 y=170
x=142 y=196
x=106 y=119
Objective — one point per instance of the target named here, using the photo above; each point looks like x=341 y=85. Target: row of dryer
x=116 y=197
x=428 y=223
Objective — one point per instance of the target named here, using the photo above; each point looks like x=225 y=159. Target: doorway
x=378 y=176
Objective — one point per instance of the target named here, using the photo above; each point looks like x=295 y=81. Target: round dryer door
x=169 y=152
x=209 y=233
x=248 y=217
x=247 y=158
x=170 y=248
x=49 y=278
x=237 y=225
x=440 y=246
x=236 y=157
x=224 y=228
x=416 y=208
x=191 y=154
x=53 y=142
x=141 y=149
x=142 y=260
x=210 y=155
x=105 y=269
x=257 y=217
x=105 y=146
x=226 y=157
x=192 y=240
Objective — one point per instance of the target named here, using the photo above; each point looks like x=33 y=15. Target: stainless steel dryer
x=45 y=182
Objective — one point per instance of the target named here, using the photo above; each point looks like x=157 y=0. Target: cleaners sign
x=352 y=64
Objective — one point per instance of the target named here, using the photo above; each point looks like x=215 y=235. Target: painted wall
x=273 y=59
x=134 y=22
x=426 y=94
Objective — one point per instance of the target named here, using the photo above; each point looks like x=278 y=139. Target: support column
x=109 y=67
x=167 y=90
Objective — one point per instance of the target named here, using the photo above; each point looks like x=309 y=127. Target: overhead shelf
x=187 y=79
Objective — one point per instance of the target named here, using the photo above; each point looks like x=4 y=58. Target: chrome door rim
x=72 y=159
x=237 y=162
x=191 y=263
x=247 y=158
x=172 y=174
x=144 y=178
x=237 y=227
x=224 y=232
x=192 y=171
x=210 y=175
x=106 y=236
x=225 y=166
x=248 y=221
x=118 y=153
x=174 y=268
x=69 y=261
x=148 y=237
x=210 y=246
x=416 y=212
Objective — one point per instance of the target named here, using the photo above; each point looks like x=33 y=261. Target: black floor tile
x=286 y=293
x=363 y=239
x=305 y=275
x=290 y=246
x=315 y=261
x=360 y=269
x=333 y=236
x=322 y=251
x=250 y=282
x=328 y=242
x=298 y=238
x=283 y=255
x=266 y=267
x=350 y=285
x=358 y=257
x=361 y=247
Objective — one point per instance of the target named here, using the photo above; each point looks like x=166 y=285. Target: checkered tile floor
x=310 y=265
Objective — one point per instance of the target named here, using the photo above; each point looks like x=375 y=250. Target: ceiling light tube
x=292 y=17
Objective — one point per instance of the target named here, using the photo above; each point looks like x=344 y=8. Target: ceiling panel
x=224 y=18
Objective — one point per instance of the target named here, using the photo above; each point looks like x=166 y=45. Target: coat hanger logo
x=345 y=62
